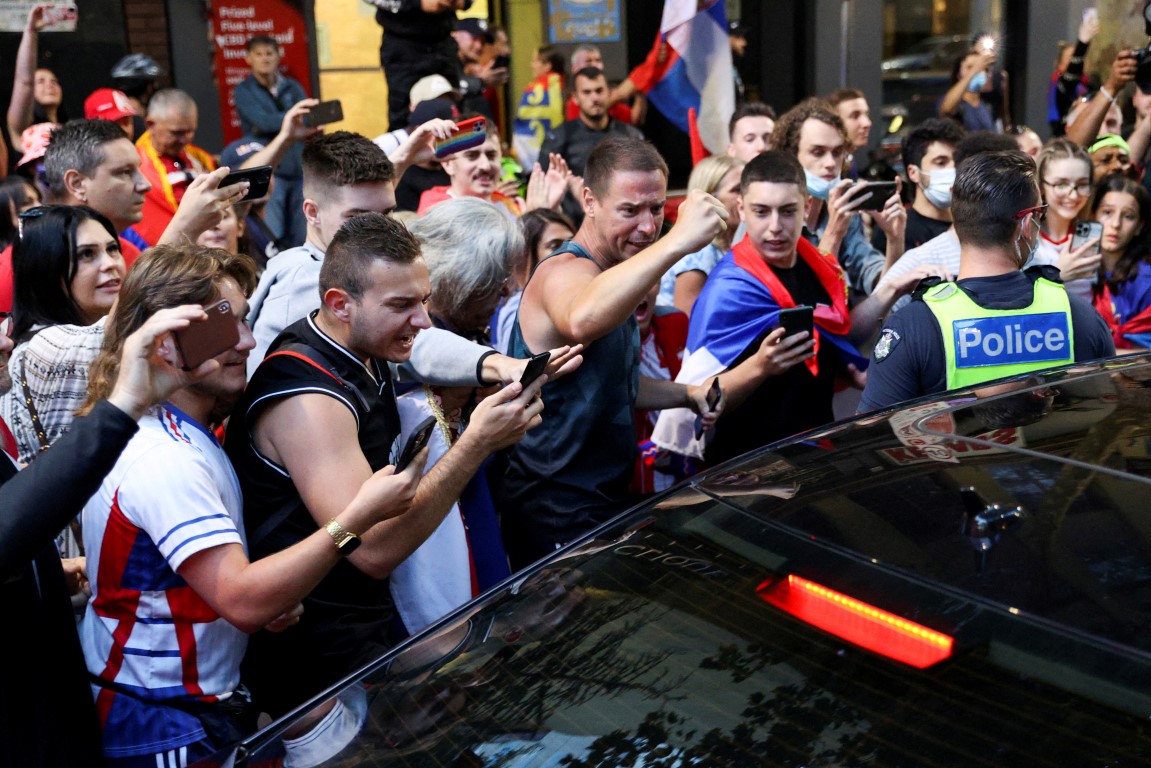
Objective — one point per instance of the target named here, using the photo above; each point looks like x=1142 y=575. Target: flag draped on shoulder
x=541 y=109
x=690 y=67
x=739 y=305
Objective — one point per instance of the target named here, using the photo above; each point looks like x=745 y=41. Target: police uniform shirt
x=909 y=361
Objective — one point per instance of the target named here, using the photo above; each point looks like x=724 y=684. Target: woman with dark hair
x=1123 y=293
x=544 y=230
x=67 y=271
x=36 y=93
x=17 y=195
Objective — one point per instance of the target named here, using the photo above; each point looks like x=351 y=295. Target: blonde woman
x=680 y=285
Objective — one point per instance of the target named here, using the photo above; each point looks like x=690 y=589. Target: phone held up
x=469 y=133
x=204 y=340
x=323 y=113
x=258 y=178
x=879 y=192
x=1086 y=231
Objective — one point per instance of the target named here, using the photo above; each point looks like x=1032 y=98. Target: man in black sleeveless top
x=315 y=422
x=573 y=472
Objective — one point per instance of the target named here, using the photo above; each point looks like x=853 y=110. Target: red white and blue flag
x=690 y=67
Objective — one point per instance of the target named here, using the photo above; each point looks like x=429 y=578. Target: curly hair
x=790 y=123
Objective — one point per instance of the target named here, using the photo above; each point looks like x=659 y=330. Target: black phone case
x=535 y=368
x=416 y=442
x=879 y=195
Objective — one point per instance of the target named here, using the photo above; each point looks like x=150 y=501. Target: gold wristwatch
x=346 y=541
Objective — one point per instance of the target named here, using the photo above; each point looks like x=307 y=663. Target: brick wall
x=147 y=28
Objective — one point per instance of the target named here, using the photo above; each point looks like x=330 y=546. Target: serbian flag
x=690 y=68
x=541 y=109
x=1130 y=333
x=739 y=304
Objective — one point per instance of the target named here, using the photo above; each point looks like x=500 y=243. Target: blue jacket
x=261 y=114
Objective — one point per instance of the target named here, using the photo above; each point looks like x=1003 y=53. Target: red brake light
x=857 y=622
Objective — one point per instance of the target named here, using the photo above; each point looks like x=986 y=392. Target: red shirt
x=129 y=251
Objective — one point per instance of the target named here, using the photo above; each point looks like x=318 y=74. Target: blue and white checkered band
x=1011 y=340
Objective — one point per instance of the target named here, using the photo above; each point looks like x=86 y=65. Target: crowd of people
x=195 y=544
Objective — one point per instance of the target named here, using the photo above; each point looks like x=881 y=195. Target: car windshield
x=669 y=638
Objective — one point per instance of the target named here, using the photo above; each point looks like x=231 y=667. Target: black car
x=960 y=581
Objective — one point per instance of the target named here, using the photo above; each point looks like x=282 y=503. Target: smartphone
x=797 y=319
x=1090 y=14
x=258 y=178
x=503 y=61
x=416 y=442
x=469 y=133
x=879 y=191
x=204 y=340
x=1087 y=230
x=61 y=18
x=323 y=113
x=536 y=366
x=714 y=393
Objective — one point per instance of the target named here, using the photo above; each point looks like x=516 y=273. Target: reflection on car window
x=652 y=646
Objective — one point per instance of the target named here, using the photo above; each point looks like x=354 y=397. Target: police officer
x=995 y=320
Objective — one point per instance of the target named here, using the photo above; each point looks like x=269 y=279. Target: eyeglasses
x=1038 y=213
x=1065 y=187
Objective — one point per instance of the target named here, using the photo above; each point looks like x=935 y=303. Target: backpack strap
x=317 y=360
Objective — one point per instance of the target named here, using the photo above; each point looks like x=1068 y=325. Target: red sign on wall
x=233 y=22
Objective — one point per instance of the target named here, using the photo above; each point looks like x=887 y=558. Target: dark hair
x=990 y=189
x=840 y=95
x=928 y=132
x=341 y=159
x=749 y=109
x=13 y=198
x=978 y=142
x=588 y=73
x=620 y=153
x=554 y=58
x=255 y=40
x=534 y=222
x=362 y=239
x=164 y=276
x=44 y=261
x=790 y=123
x=774 y=167
x=78 y=146
x=1140 y=246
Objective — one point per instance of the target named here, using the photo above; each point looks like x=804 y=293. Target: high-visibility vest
x=983 y=344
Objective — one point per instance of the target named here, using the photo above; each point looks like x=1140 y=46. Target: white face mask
x=938 y=192
x=817 y=186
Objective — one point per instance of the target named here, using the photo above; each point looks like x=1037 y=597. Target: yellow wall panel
x=348 y=34
x=365 y=100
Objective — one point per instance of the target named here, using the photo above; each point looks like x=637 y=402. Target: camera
x=1143 y=57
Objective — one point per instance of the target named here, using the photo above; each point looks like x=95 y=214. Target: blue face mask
x=818 y=186
x=977 y=82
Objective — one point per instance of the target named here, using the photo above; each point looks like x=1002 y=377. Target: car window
x=657 y=644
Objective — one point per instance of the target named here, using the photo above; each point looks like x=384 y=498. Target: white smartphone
x=61 y=18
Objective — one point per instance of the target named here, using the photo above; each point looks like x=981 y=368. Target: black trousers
x=405 y=61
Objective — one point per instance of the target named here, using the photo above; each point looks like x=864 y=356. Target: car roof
x=1010 y=518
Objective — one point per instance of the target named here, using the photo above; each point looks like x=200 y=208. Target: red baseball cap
x=108 y=104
